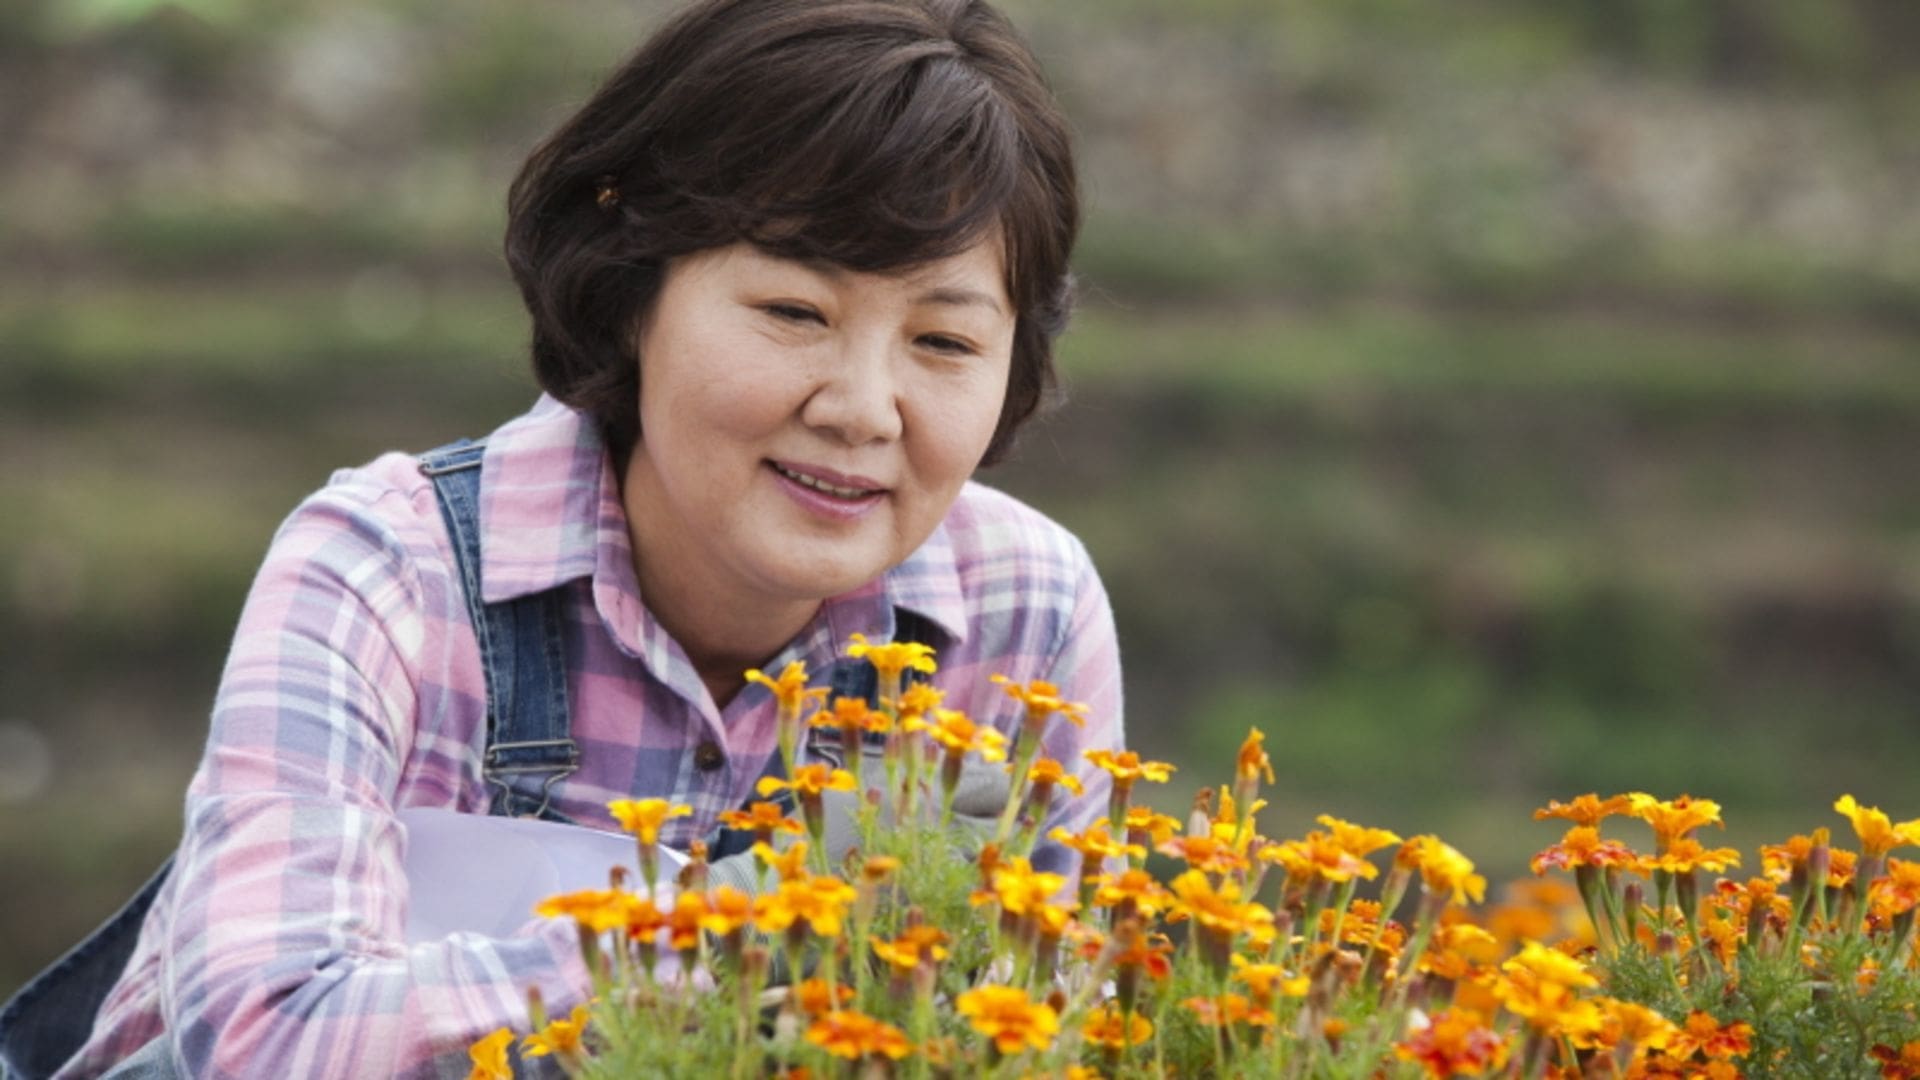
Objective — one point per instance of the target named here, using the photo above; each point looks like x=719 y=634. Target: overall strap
x=522 y=653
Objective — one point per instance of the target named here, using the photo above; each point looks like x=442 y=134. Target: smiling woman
x=795 y=273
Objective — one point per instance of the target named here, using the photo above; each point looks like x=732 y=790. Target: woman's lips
x=826 y=494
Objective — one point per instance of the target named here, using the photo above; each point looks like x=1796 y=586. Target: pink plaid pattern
x=354 y=689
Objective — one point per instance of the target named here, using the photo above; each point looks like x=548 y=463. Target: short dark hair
x=871 y=134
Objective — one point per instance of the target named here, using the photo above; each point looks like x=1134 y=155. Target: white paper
x=484 y=874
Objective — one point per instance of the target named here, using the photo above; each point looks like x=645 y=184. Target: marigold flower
x=1042 y=700
x=1132 y=886
x=1218 y=908
x=597 y=910
x=1454 y=1042
x=1686 y=855
x=815 y=997
x=1252 y=761
x=763 y=819
x=1096 y=843
x=489 y=1057
x=1582 y=846
x=852 y=717
x=1899 y=891
x=1145 y=823
x=1226 y=1009
x=917 y=701
x=1878 y=834
x=1264 y=980
x=1443 y=869
x=1674 y=819
x=914 y=946
x=1458 y=950
x=1357 y=840
x=894 y=657
x=1318 y=856
x=1623 y=1023
x=788 y=865
x=1009 y=1017
x=854 y=1035
x=1108 y=1026
x=1901 y=1064
x=1047 y=773
x=1204 y=853
x=1125 y=765
x=727 y=910
x=1020 y=889
x=808 y=780
x=957 y=733
x=683 y=922
x=644 y=817
x=642 y=920
x=821 y=902
x=789 y=688
x=1541 y=986
x=1702 y=1034
x=1588 y=810
x=561 y=1037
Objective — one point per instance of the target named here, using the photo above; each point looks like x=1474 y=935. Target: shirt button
x=708 y=757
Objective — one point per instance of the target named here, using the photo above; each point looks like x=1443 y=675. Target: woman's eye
x=945 y=344
x=794 y=313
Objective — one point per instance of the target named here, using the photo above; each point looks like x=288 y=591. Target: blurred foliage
x=1492 y=401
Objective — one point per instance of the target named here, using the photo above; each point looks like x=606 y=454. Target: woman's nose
x=856 y=399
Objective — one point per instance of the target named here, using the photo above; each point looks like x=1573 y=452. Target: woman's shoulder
x=987 y=524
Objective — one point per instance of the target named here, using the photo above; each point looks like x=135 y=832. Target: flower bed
x=929 y=953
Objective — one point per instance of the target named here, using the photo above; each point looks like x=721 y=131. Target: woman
x=794 y=272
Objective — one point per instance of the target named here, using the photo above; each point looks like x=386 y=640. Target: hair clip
x=608 y=195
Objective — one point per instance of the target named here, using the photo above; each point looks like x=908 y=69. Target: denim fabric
x=522 y=651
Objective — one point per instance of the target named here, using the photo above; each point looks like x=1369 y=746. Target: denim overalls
x=529 y=748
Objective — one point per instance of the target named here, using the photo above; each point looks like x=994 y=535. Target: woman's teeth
x=821 y=485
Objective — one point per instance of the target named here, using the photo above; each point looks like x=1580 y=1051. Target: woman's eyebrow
x=959 y=297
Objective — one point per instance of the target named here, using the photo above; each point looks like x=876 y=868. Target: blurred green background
x=1491 y=400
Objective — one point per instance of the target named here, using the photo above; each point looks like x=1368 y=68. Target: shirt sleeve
x=284 y=944
x=1086 y=668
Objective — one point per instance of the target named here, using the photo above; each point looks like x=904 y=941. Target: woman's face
x=803 y=428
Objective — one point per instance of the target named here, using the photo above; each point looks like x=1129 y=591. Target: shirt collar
x=550 y=512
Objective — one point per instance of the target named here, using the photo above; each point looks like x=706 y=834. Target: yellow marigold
x=852 y=716
x=788 y=865
x=727 y=909
x=1686 y=854
x=1588 y=810
x=1899 y=891
x=1219 y=908
x=1155 y=826
x=1672 y=820
x=789 y=688
x=1126 y=765
x=959 y=735
x=1204 y=853
x=1551 y=965
x=918 y=700
x=1458 y=950
x=1042 y=700
x=1878 y=834
x=560 y=1037
x=683 y=922
x=1020 y=888
x=1454 y=1042
x=1134 y=886
x=854 y=1035
x=1582 y=846
x=816 y=997
x=1623 y=1023
x=1358 y=840
x=893 y=658
x=810 y=779
x=914 y=946
x=1319 y=856
x=1442 y=868
x=643 y=920
x=821 y=902
x=489 y=1057
x=1265 y=980
x=1046 y=771
x=764 y=818
x=598 y=910
x=1108 y=1026
x=644 y=817
x=1096 y=843
x=1252 y=761
x=1541 y=986
x=1009 y=1017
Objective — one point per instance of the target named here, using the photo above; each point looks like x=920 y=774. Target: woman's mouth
x=850 y=488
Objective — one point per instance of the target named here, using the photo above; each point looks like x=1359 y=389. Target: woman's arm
x=284 y=943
